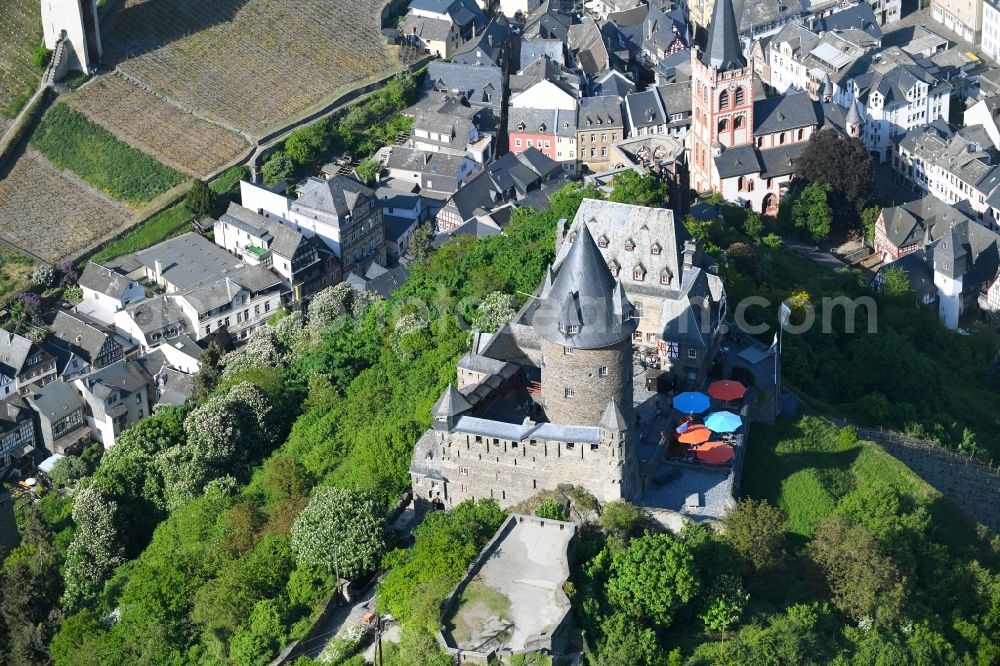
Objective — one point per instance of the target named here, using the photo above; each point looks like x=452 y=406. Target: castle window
x=740 y=97
x=602 y=371
x=637 y=336
x=594 y=447
x=638 y=308
x=513 y=445
x=567 y=351
x=479 y=439
x=692 y=353
x=568 y=393
x=464 y=471
x=570 y=446
x=724 y=100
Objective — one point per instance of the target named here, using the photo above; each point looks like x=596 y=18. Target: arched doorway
x=769 y=206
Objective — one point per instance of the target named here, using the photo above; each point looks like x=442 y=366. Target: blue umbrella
x=691 y=402
x=723 y=422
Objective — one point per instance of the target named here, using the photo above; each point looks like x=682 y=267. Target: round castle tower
x=585 y=324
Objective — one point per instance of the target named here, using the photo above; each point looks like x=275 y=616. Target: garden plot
x=250 y=64
x=142 y=120
x=52 y=214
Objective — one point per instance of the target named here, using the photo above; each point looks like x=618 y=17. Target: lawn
x=807 y=466
x=71 y=141
x=171 y=222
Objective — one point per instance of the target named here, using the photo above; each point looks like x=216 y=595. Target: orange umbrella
x=715 y=453
x=727 y=389
x=695 y=435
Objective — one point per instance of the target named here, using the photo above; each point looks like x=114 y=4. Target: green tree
x=200 y=198
x=641 y=190
x=869 y=216
x=340 y=530
x=256 y=642
x=757 y=531
x=277 y=168
x=725 y=603
x=896 y=283
x=210 y=371
x=842 y=163
x=287 y=478
x=67 y=471
x=496 y=310
x=622 y=519
x=368 y=171
x=653 y=578
x=812 y=213
x=78 y=640
x=744 y=258
x=420 y=242
x=865 y=583
x=753 y=226
x=305 y=145
x=626 y=641
x=552 y=510
x=96 y=549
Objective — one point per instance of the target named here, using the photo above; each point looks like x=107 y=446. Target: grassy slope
x=169 y=223
x=70 y=141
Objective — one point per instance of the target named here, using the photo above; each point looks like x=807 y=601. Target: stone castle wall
x=580 y=372
x=478 y=467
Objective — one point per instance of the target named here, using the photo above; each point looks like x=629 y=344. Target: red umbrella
x=695 y=435
x=715 y=453
x=726 y=390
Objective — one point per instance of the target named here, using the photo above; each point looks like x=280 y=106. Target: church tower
x=585 y=324
x=721 y=97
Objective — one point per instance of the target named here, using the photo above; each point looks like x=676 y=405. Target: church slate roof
x=450 y=403
x=784 y=112
x=723 y=50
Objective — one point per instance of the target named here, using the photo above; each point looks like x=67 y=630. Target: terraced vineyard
x=20 y=30
x=250 y=64
x=146 y=122
x=53 y=214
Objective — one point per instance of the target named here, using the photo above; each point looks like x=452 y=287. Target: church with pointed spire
x=547 y=400
x=742 y=145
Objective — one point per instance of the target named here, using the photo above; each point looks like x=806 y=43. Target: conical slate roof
x=450 y=403
x=950 y=257
x=584 y=307
x=613 y=420
x=853 y=116
x=723 y=50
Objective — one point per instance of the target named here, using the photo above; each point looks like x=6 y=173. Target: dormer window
x=602 y=241
x=639 y=273
x=614 y=268
x=629 y=245
x=520 y=127
x=665 y=277
x=655 y=249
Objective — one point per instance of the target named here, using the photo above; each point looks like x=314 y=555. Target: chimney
x=692 y=254
x=158 y=267
x=560 y=230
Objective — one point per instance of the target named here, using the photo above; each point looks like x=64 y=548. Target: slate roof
x=339 y=196
x=450 y=403
x=644 y=109
x=611 y=83
x=103 y=280
x=14 y=351
x=858 y=17
x=81 y=337
x=967 y=152
x=547 y=22
x=426 y=28
x=487 y=46
x=124 y=375
x=187 y=259
x=472 y=81
x=531 y=121
x=221 y=291
x=676 y=98
x=155 y=314
x=780 y=160
x=281 y=240
x=784 y=112
x=927 y=218
x=723 y=49
x=584 y=295
x=756 y=14
x=545 y=69
x=533 y=49
x=971 y=251
x=56 y=400
x=600 y=112
x=422 y=161
x=738 y=161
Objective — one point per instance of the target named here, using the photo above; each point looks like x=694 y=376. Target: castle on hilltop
x=549 y=398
